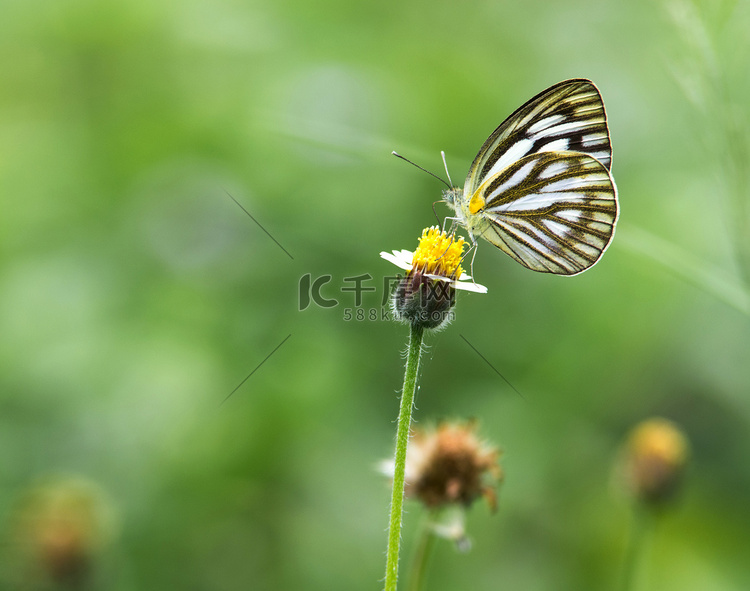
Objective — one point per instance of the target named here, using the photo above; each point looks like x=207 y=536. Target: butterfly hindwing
x=568 y=116
x=552 y=212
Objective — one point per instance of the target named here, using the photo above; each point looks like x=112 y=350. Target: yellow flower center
x=439 y=254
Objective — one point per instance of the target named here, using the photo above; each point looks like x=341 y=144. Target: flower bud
x=655 y=456
x=421 y=301
x=61 y=527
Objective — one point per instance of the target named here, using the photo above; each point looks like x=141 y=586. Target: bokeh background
x=135 y=295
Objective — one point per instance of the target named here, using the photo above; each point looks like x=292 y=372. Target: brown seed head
x=450 y=465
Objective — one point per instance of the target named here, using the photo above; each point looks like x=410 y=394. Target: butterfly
x=540 y=188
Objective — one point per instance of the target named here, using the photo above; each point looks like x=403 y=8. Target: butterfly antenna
x=446 y=168
x=397 y=155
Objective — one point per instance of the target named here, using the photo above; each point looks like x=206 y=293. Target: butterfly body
x=466 y=213
x=540 y=188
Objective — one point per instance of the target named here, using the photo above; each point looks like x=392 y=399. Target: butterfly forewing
x=568 y=116
x=552 y=212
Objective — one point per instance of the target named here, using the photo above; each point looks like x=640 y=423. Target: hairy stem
x=402 y=439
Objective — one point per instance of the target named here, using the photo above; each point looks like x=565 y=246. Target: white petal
x=439 y=277
x=398 y=258
x=475 y=287
x=465 y=285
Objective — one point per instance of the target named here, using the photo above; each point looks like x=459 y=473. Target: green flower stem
x=422 y=555
x=640 y=531
x=402 y=439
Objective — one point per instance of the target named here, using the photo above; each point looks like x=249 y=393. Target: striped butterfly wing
x=568 y=116
x=553 y=212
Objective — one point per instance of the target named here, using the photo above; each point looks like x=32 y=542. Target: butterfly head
x=453 y=196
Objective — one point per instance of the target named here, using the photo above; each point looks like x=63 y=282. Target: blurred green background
x=135 y=295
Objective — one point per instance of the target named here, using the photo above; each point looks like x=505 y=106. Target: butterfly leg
x=473 y=249
x=453 y=224
x=453 y=239
x=474 y=254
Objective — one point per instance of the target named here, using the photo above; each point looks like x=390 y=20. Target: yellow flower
x=426 y=295
x=438 y=257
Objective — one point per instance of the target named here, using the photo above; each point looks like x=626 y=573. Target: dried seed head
x=450 y=465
